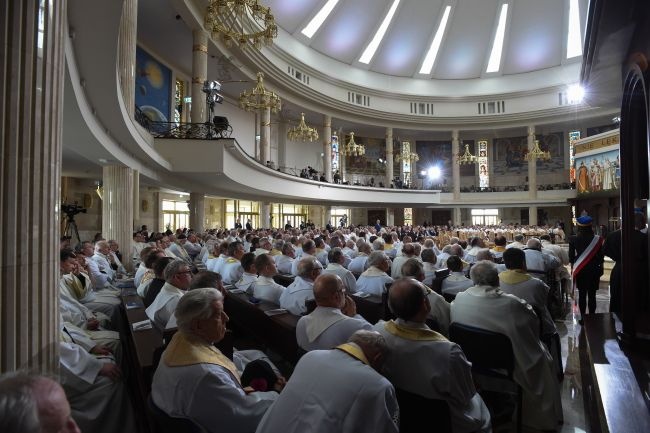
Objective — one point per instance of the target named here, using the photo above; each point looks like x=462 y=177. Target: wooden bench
x=277 y=332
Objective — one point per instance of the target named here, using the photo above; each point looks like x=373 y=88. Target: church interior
x=356 y=126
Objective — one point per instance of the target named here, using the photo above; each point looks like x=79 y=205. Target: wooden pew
x=277 y=332
x=284 y=279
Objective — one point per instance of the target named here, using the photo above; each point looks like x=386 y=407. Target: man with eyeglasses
x=178 y=277
x=294 y=297
x=335 y=318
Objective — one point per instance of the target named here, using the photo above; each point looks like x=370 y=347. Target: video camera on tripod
x=70 y=210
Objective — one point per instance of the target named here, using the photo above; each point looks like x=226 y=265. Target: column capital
x=455 y=134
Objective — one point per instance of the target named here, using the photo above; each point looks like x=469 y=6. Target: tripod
x=70 y=228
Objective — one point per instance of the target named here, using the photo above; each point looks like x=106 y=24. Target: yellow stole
x=499 y=249
x=182 y=351
x=354 y=351
x=412 y=333
x=514 y=276
x=232 y=260
x=77 y=287
x=388 y=247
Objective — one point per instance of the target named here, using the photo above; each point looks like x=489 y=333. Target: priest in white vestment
x=373 y=280
x=265 y=288
x=294 y=296
x=178 y=277
x=336 y=267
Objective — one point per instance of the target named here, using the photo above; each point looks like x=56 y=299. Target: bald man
x=34 y=404
x=333 y=321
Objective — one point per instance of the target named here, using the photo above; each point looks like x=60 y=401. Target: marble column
x=457 y=216
x=126 y=53
x=389 y=156
x=327 y=147
x=532 y=215
x=282 y=145
x=157 y=213
x=265 y=135
x=455 y=168
x=117 y=206
x=136 y=199
x=327 y=215
x=199 y=75
x=197 y=212
x=31 y=114
x=390 y=216
x=342 y=159
x=265 y=215
x=532 y=166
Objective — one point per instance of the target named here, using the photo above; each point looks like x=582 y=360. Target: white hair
x=195 y=304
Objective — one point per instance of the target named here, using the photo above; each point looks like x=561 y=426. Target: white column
x=117 y=206
x=457 y=216
x=414 y=165
x=31 y=115
x=327 y=147
x=532 y=166
x=126 y=53
x=199 y=75
x=265 y=136
x=455 y=168
x=390 y=216
x=342 y=159
x=157 y=213
x=389 y=156
x=327 y=215
x=282 y=144
x=265 y=215
x=136 y=198
x=197 y=212
x=532 y=215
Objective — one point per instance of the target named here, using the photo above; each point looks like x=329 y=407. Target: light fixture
x=352 y=148
x=99 y=190
x=406 y=155
x=575 y=93
x=434 y=172
x=467 y=157
x=302 y=132
x=258 y=97
x=212 y=96
x=244 y=22
x=538 y=153
x=319 y=18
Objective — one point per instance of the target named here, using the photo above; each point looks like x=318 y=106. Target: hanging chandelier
x=352 y=148
x=302 y=132
x=406 y=155
x=467 y=157
x=538 y=153
x=244 y=22
x=258 y=97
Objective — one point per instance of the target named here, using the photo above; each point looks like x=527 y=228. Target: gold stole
x=354 y=351
x=415 y=334
x=77 y=287
x=182 y=352
x=514 y=276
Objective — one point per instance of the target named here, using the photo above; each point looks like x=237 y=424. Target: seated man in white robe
x=231 y=270
x=499 y=248
x=337 y=390
x=517 y=243
x=360 y=262
x=34 y=404
x=424 y=362
x=350 y=249
x=192 y=246
x=333 y=321
x=429 y=261
x=439 y=307
x=336 y=266
x=139 y=273
x=373 y=280
x=102 y=272
x=408 y=252
x=195 y=381
x=294 y=296
x=456 y=281
x=476 y=244
x=93 y=385
x=265 y=288
x=539 y=263
x=518 y=282
x=149 y=274
x=177 y=280
x=248 y=278
x=487 y=307
x=218 y=258
x=308 y=251
x=284 y=262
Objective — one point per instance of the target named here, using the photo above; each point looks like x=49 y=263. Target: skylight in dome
x=497 y=46
x=374 y=44
x=574 y=38
x=319 y=18
x=430 y=58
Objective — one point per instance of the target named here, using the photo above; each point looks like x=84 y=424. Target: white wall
x=242 y=122
x=301 y=154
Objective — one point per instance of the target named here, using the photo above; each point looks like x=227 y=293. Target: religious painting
x=435 y=153
x=510 y=154
x=153 y=87
x=598 y=172
x=467 y=169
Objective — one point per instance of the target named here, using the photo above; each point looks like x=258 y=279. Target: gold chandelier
x=244 y=22
x=467 y=157
x=406 y=155
x=352 y=148
x=302 y=132
x=258 y=97
x=538 y=153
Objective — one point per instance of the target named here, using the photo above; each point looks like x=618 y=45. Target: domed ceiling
x=534 y=34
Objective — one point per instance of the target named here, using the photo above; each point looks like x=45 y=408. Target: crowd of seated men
x=181 y=276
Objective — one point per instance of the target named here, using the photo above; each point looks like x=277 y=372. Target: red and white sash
x=587 y=255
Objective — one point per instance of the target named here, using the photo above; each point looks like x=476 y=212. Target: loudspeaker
x=220 y=123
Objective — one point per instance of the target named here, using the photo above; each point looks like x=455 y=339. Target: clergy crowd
x=497 y=278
